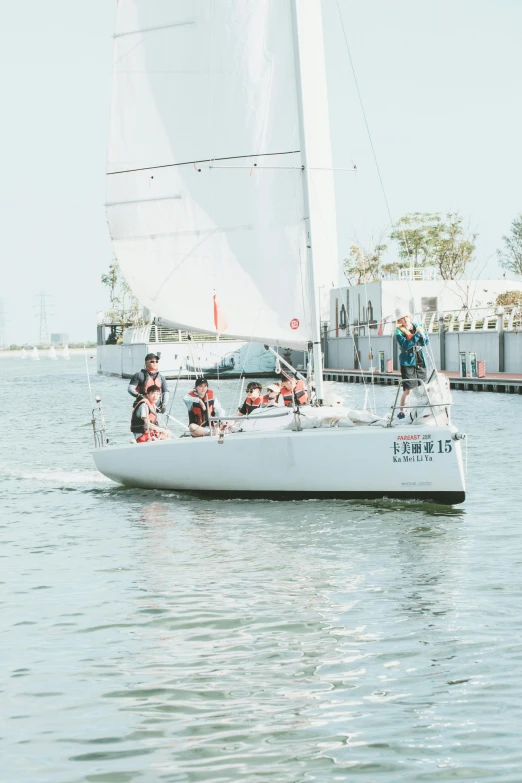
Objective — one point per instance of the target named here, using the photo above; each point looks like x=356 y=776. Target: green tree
x=510 y=256
x=414 y=236
x=124 y=306
x=430 y=239
x=363 y=265
x=452 y=246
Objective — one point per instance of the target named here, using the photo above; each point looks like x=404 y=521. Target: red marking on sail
x=380 y=329
x=220 y=321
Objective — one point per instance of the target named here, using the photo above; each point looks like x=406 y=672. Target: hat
x=402 y=312
x=200 y=382
x=273 y=387
x=151 y=356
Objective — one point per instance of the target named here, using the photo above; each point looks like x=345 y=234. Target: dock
x=495 y=382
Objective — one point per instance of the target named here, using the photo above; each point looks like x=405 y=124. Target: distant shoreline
x=42 y=353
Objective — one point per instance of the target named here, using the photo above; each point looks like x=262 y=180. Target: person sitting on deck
x=293 y=391
x=412 y=358
x=144 y=420
x=254 y=399
x=202 y=404
x=273 y=392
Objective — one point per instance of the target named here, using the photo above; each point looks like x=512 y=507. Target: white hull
x=358 y=462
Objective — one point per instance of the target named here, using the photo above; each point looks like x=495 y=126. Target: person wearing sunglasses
x=150 y=376
x=253 y=400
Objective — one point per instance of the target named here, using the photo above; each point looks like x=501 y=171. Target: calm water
x=149 y=636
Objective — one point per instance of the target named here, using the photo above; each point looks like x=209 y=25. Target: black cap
x=200 y=382
x=151 y=356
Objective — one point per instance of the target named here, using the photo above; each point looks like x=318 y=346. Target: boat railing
x=98 y=426
x=259 y=417
x=431 y=405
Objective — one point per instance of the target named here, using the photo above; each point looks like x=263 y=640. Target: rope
x=381 y=181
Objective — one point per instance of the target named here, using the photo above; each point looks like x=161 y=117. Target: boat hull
x=358 y=462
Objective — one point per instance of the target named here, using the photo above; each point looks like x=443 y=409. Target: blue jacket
x=407 y=354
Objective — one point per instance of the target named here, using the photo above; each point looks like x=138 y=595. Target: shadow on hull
x=441 y=498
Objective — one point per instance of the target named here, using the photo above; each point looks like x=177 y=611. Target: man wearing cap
x=150 y=377
x=412 y=358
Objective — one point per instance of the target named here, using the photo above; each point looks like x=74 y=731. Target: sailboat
x=34 y=354
x=23 y=354
x=65 y=353
x=221 y=209
x=52 y=353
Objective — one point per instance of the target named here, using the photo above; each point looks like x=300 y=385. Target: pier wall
x=501 y=351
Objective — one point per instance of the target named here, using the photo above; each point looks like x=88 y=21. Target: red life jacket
x=137 y=424
x=250 y=405
x=299 y=392
x=197 y=415
x=141 y=388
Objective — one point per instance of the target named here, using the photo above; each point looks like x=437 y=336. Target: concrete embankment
x=495 y=382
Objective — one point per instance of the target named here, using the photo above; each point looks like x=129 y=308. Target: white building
x=371 y=307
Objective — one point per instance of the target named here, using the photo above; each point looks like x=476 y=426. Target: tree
x=509 y=298
x=124 y=306
x=429 y=239
x=363 y=265
x=452 y=245
x=510 y=256
x=414 y=236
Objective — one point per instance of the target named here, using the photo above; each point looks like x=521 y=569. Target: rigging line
x=364 y=114
x=204 y=160
x=370 y=135
x=375 y=155
x=183 y=23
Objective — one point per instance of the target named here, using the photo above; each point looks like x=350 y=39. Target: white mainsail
x=206 y=189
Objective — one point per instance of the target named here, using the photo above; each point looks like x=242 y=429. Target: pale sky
x=441 y=84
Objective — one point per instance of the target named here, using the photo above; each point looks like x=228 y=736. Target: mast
x=311 y=99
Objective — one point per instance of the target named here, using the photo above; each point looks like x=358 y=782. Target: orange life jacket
x=197 y=415
x=141 y=388
x=137 y=424
x=250 y=405
x=299 y=392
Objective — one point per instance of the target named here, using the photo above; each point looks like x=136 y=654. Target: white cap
x=273 y=387
x=402 y=312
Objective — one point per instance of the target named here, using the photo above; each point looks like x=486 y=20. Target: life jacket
x=299 y=392
x=250 y=405
x=137 y=424
x=142 y=387
x=197 y=415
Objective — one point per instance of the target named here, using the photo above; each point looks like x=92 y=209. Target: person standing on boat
x=150 y=376
x=144 y=420
x=293 y=390
x=201 y=403
x=411 y=338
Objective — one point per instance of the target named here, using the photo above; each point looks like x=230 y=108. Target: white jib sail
x=205 y=181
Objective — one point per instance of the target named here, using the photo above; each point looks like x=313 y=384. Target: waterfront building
x=60 y=338
x=121 y=352
x=464 y=323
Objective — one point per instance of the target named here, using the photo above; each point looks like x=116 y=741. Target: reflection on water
x=154 y=636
